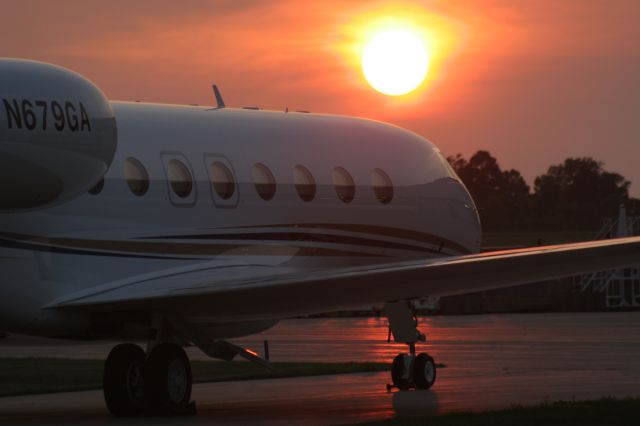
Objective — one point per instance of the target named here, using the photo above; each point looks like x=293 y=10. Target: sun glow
x=395 y=62
x=402 y=50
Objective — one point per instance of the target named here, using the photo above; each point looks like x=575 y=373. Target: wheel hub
x=135 y=381
x=429 y=372
x=176 y=381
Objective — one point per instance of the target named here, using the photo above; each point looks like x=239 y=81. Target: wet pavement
x=492 y=361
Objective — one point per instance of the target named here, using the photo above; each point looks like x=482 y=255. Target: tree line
x=574 y=195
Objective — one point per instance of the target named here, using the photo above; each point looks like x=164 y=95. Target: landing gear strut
x=408 y=370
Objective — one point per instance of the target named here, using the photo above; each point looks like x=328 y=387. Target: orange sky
x=533 y=81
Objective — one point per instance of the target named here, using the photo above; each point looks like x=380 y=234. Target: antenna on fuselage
x=219 y=100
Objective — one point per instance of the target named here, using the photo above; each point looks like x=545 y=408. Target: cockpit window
x=447 y=167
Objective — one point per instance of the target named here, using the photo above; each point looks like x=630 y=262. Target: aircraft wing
x=243 y=292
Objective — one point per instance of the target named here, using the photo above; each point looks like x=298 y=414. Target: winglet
x=219 y=100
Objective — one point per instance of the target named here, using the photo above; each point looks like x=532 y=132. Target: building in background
x=621 y=287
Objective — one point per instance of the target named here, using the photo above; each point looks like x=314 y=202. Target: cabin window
x=97 y=188
x=222 y=180
x=136 y=176
x=224 y=187
x=179 y=178
x=343 y=183
x=382 y=186
x=304 y=182
x=264 y=181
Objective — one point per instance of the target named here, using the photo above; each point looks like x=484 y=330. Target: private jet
x=192 y=225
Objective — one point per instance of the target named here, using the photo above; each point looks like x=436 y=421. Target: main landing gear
x=157 y=384
x=154 y=383
x=408 y=370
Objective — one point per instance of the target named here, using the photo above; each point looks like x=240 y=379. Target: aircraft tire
x=424 y=371
x=122 y=380
x=167 y=380
x=398 y=376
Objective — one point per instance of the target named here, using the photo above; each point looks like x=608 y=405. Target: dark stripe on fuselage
x=156 y=250
x=307 y=237
x=289 y=238
x=66 y=250
x=386 y=231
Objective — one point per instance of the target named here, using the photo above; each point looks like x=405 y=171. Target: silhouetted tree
x=574 y=195
x=577 y=194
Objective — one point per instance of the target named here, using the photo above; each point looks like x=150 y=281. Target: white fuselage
x=99 y=238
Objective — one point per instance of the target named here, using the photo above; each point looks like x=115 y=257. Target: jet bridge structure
x=622 y=286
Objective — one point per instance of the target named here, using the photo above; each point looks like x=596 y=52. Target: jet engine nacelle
x=58 y=134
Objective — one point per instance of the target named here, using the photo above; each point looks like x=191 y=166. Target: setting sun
x=395 y=62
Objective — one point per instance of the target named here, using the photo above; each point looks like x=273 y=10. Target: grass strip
x=27 y=376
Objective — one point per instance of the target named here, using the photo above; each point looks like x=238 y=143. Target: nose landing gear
x=408 y=370
x=411 y=371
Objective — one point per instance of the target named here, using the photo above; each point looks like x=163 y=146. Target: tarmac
x=492 y=361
